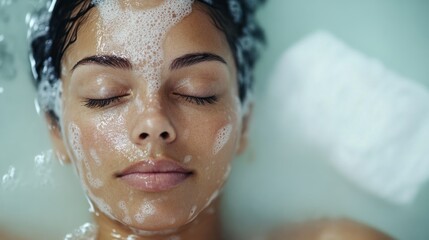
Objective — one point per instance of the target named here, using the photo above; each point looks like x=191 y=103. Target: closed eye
x=198 y=100
x=100 y=103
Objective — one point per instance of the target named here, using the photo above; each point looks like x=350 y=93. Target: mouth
x=154 y=175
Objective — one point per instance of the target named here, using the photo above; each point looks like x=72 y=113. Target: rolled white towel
x=373 y=123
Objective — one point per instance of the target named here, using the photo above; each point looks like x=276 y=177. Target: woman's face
x=151 y=135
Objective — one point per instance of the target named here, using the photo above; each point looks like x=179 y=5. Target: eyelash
x=198 y=100
x=100 y=103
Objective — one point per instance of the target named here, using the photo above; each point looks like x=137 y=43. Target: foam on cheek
x=141 y=40
x=95 y=157
x=82 y=161
x=222 y=138
x=74 y=138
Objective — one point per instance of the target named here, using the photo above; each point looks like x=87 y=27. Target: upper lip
x=154 y=166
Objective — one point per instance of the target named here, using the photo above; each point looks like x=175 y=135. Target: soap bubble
x=43 y=168
x=84 y=232
x=10 y=180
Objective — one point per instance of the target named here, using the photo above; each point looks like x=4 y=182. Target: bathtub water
x=281 y=177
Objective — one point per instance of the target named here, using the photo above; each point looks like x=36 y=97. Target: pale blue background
x=393 y=31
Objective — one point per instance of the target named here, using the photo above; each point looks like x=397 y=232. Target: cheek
x=217 y=147
x=89 y=160
x=111 y=134
x=222 y=137
x=86 y=162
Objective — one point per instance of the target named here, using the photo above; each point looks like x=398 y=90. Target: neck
x=205 y=226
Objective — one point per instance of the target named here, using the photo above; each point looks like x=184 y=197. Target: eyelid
x=198 y=100
x=102 y=102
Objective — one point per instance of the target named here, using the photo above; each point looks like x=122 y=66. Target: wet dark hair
x=235 y=18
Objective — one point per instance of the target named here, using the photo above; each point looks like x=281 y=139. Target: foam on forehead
x=137 y=34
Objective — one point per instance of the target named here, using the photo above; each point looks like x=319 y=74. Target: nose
x=153 y=126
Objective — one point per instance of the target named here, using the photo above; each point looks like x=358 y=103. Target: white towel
x=373 y=123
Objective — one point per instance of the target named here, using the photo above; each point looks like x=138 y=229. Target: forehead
x=194 y=33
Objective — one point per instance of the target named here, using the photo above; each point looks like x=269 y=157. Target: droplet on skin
x=192 y=212
x=115 y=235
x=227 y=172
x=212 y=198
x=91 y=208
x=131 y=237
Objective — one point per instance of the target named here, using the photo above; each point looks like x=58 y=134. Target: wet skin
x=111 y=120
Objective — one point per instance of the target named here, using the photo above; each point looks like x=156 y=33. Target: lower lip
x=155 y=182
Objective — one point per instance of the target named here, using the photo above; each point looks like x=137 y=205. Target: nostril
x=164 y=135
x=144 y=136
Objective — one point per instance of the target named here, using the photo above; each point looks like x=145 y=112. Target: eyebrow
x=107 y=61
x=194 y=58
x=123 y=63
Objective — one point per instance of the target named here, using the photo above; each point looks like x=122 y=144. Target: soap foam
x=145 y=210
x=123 y=207
x=95 y=157
x=187 y=159
x=9 y=179
x=142 y=38
x=43 y=168
x=222 y=138
x=75 y=141
x=111 y=125
x=87 y=231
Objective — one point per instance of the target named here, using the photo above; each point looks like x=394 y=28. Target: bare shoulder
x=7 y=235
x=333 y=229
